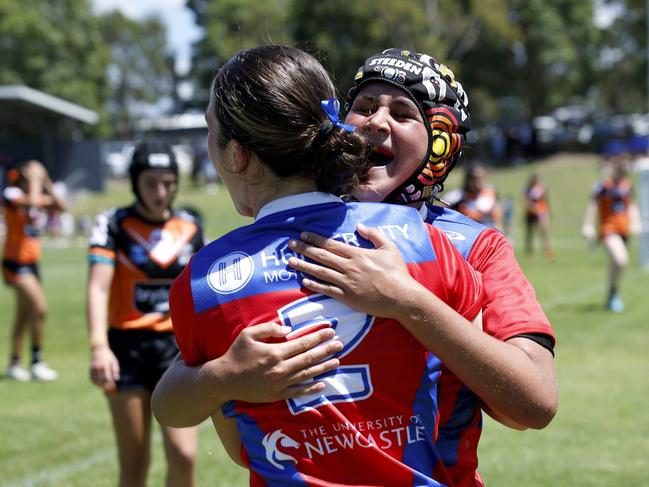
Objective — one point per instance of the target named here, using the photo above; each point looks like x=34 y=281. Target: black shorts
x=531 y=218
x=12 y=270
x=143 y=356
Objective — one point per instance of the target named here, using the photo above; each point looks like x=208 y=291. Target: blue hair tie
x=331 y=108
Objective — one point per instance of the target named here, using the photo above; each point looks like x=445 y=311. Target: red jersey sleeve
x=463 y=283
x=183 y=318
x=510 y=305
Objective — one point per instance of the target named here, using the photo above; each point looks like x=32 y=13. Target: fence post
x=643 y=205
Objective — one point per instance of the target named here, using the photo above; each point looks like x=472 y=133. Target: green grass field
x=59 y=434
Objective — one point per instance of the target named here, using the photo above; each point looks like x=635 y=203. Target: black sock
x=37 y=355
x=15 y=360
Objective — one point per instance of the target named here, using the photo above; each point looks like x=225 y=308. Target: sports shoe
x=16 y=372
x=41 y=371
x=615 y=304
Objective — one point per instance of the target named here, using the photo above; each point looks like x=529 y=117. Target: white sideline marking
x=50 y=476
x=574 y=296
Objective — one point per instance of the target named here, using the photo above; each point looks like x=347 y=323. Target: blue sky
x=181 y=29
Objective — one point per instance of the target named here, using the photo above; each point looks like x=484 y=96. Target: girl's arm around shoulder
x=510 y=304
x=376 y=281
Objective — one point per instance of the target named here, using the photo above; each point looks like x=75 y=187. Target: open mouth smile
x=380 y=157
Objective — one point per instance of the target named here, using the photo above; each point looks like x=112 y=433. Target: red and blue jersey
x=510 y=309
x=376 y=421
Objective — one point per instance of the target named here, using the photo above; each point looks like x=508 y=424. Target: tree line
x=516 y=58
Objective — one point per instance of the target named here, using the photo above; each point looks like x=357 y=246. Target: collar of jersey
x=423 y=211
x=295 y=201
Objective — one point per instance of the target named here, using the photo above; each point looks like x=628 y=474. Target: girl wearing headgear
x=415 y=114
x=135 y=253
x=29 y=191
x=506 y=370
x=276 y=140
x=612 y=205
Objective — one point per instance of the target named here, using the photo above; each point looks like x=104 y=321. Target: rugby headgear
x=150 y=155
x=442 y=101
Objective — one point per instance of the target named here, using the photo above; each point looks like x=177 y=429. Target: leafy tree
x=529 y=55
x=140 y=72
x=622 y=59
x=55 y=47
x=552 y=36
x=345 y=33
x=230 y=26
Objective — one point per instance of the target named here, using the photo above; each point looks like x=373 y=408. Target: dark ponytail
x=268 y=100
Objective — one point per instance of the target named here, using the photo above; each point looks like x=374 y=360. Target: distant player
x=618 y=217
x=29 y=192
x=135 y=253
x=537 y=215
x=478 y=199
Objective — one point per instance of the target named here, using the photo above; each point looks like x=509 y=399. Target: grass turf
x=60 y=434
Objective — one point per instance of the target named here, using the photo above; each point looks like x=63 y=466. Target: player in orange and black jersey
x=537 y=215
x=618 y=216
x=135 y=253
x=29 y=192
x=479 y=200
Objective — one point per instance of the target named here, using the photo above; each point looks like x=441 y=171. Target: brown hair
x=268 y=99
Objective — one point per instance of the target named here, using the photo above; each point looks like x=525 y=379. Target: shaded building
x=36 y=125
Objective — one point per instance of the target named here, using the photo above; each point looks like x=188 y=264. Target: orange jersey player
x=28 y=194
x=479 y=200
x=537 y=215
x=135 y=253
x=617 y=215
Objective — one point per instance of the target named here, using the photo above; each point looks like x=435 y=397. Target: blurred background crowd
x=81 y=79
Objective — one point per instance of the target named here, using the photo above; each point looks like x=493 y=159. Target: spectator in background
x=612 y=204
x=537 y=215
x=508 y=215
x=29 y=192
x=135 y=253
x=479 y=200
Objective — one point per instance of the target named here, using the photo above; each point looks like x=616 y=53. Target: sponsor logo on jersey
x=231 y=273
x=273 y=454
x=151 y=298
x=454 y=235
x=382 y=433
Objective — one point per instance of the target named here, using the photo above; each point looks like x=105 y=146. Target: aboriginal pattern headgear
x=150 y=155
x=442 y=101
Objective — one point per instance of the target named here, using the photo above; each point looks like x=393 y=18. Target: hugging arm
x=515 y=379
x=227 y=430
x=251 y=370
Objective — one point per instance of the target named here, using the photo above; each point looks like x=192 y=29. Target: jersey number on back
x=347 y=383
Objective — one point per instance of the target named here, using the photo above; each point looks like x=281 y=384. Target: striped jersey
x=147 y=256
